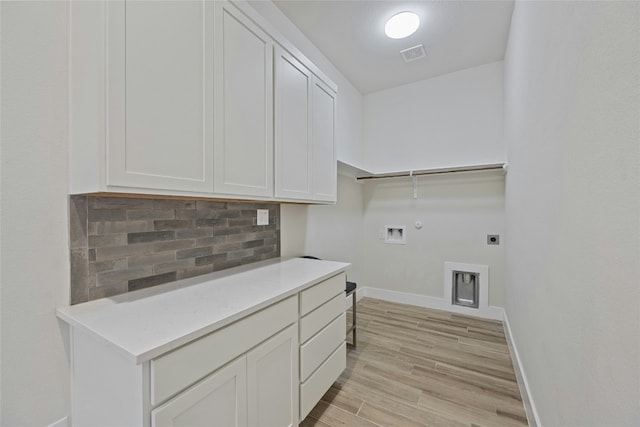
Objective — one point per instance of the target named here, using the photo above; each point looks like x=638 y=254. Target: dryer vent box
x=465 y=289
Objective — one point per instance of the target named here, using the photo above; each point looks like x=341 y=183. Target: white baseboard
x=63 y=422
x=523 y=384
x=490 y=312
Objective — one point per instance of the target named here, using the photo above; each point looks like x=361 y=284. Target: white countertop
x=149 y=322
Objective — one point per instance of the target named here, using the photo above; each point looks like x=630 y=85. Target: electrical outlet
x=263 y=217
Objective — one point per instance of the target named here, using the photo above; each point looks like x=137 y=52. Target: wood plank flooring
x=415 y=366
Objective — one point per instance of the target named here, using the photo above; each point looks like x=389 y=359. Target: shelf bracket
x=414 y=180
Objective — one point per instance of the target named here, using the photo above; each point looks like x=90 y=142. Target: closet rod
x=492 y=166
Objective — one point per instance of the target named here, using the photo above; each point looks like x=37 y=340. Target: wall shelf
x=434 y=171
x=350 y=170
x=414 y=174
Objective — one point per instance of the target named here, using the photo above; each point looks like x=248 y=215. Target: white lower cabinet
x=272 y=378
x=312 y=390
x=218 y=400
x=178 y=369
x=268 y=368
x=323 y=354
x=318 y=348
x=259 y=388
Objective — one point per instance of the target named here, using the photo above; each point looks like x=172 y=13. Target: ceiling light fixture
x=402 y=25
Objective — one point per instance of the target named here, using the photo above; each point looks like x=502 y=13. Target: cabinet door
x=272 y=377
x=244 y=105
x=323 y=140
x=160 y=95
x=292 y=127
x=218 y=400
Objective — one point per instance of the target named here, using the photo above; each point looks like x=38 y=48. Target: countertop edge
x=172 y=344
x=178 y=342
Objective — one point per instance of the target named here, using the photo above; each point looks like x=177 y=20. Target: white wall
x=450 y=120
x=332 y=232
x=293 y=229
x=457 y=213
x=0 y=215
x=349 y=143
x=35 y=267
x=572 y=103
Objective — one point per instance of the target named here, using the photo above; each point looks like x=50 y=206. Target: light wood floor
x=415 y=366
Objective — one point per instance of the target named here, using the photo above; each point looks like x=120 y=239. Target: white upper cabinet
x=160 y=95
x=304 y=132
x=195 y=98
x=292 y=127
x=244 y=105
x=323 y=127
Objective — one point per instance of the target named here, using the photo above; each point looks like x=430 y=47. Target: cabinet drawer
x=321 y=317
x=178 y=369
x=321 y=293
x=317 y=385
x=318 y=348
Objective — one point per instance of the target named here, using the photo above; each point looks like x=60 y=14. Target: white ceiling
x=456 y=35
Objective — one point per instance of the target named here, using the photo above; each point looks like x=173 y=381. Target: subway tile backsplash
x=121 y=244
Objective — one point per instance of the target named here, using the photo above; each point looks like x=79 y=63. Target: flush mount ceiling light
x=402 y=25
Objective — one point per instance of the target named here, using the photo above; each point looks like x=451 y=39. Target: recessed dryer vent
x=396 y=234
x=465 y=289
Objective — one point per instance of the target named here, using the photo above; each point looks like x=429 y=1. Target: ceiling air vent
x=413 y=53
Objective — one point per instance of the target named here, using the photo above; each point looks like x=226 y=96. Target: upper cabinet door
x=323 y=138
x=160 y=95
x=244 y=105
x=293 y=85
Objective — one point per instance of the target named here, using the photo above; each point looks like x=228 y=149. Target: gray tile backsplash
x=121 y=244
